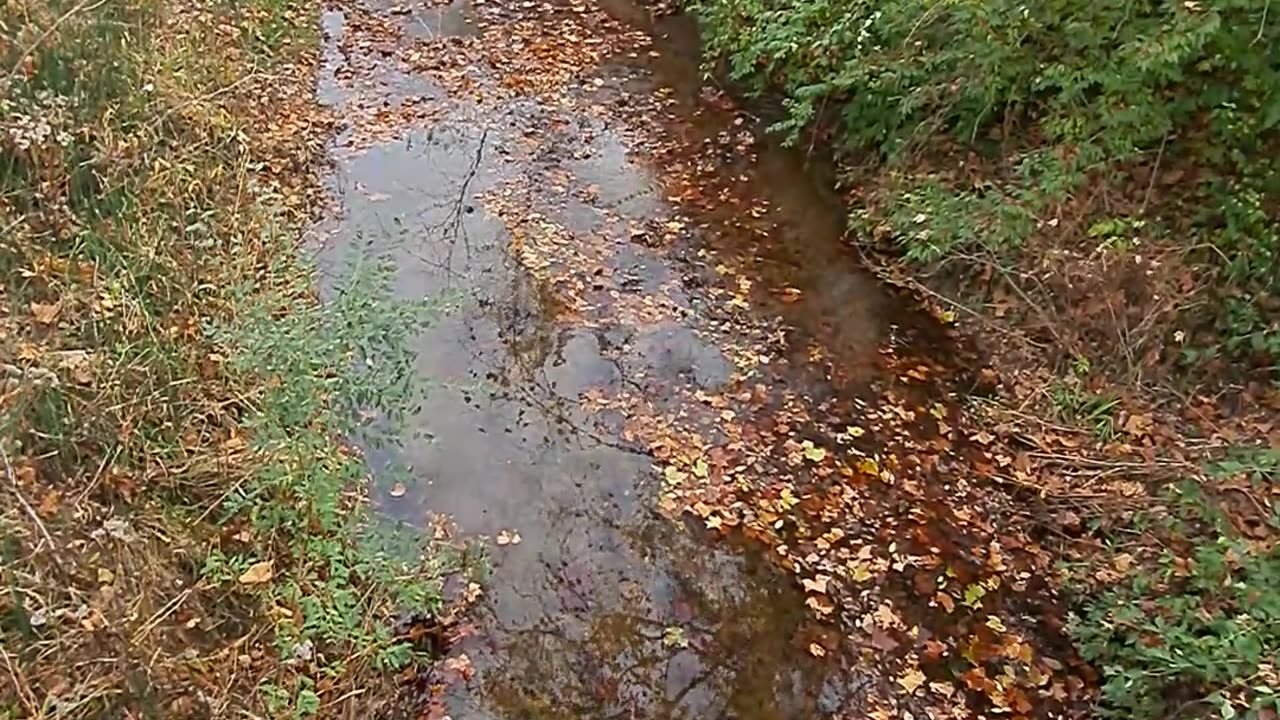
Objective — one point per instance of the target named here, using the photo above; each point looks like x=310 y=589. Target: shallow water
x=537 y=218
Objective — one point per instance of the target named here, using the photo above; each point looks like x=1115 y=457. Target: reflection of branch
x=454 y=220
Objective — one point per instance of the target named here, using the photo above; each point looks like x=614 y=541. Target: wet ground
x=715 y=437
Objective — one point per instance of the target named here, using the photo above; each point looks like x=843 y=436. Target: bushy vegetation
x=987 y=117
x=181 y=533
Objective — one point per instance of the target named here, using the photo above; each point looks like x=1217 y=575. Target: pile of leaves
x=181 y=529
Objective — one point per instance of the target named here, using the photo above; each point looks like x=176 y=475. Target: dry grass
x=155 y=156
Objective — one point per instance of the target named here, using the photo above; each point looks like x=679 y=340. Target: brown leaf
x=50 y=504
x=1138 y=424
x=911 y=679
x=45 y=314
x=258 y=573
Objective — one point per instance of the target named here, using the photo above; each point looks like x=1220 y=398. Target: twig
x=1155 y=170
x=26 y=506
x=1262 y=25
x=24 y=692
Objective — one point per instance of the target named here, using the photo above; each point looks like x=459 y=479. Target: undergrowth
x=975 y=129
x=1193 y=629
x=184 y=533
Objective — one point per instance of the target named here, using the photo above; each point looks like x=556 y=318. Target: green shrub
x=1117 y=73
x=1084 y=91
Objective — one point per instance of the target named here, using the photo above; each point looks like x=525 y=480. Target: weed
x=1075 y=403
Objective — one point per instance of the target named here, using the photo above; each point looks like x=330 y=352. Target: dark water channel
x=605 y=608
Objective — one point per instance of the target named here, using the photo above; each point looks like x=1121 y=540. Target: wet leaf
x=882 y=640
x=508 y=538
x=973 y=595
x=398 y=490
x=812 y=453
x=459 y=665
x=700 y=469
x=816 y=585
x=860 y=571
x=817 y=650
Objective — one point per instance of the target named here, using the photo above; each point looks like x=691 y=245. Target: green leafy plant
x=1194 y=627
x=327 y=372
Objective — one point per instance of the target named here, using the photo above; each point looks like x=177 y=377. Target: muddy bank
x=660 y=365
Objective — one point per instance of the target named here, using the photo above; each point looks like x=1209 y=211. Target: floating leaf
x=700 y=469
x=973 y=595
x=816 y=585
x=673 y=637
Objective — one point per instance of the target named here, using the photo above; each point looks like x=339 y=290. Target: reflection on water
x=604 y=609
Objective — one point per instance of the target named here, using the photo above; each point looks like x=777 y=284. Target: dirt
x=722 y=465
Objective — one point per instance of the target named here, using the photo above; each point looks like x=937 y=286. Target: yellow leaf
x=911 y=680
x=995 y=623
x=258 y=573
x=860 y=571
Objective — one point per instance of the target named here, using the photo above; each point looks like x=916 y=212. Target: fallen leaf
x=1138 y=424
x=460 y=665
x=674 y=637
x=911 y=680
x=817 y=650
x=398 y=490
x=817 y=585
x=258 y=573
x=508 y=538
x=45 y=314
x=882 y=640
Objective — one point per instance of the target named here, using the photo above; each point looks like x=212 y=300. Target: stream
x=652 y=312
